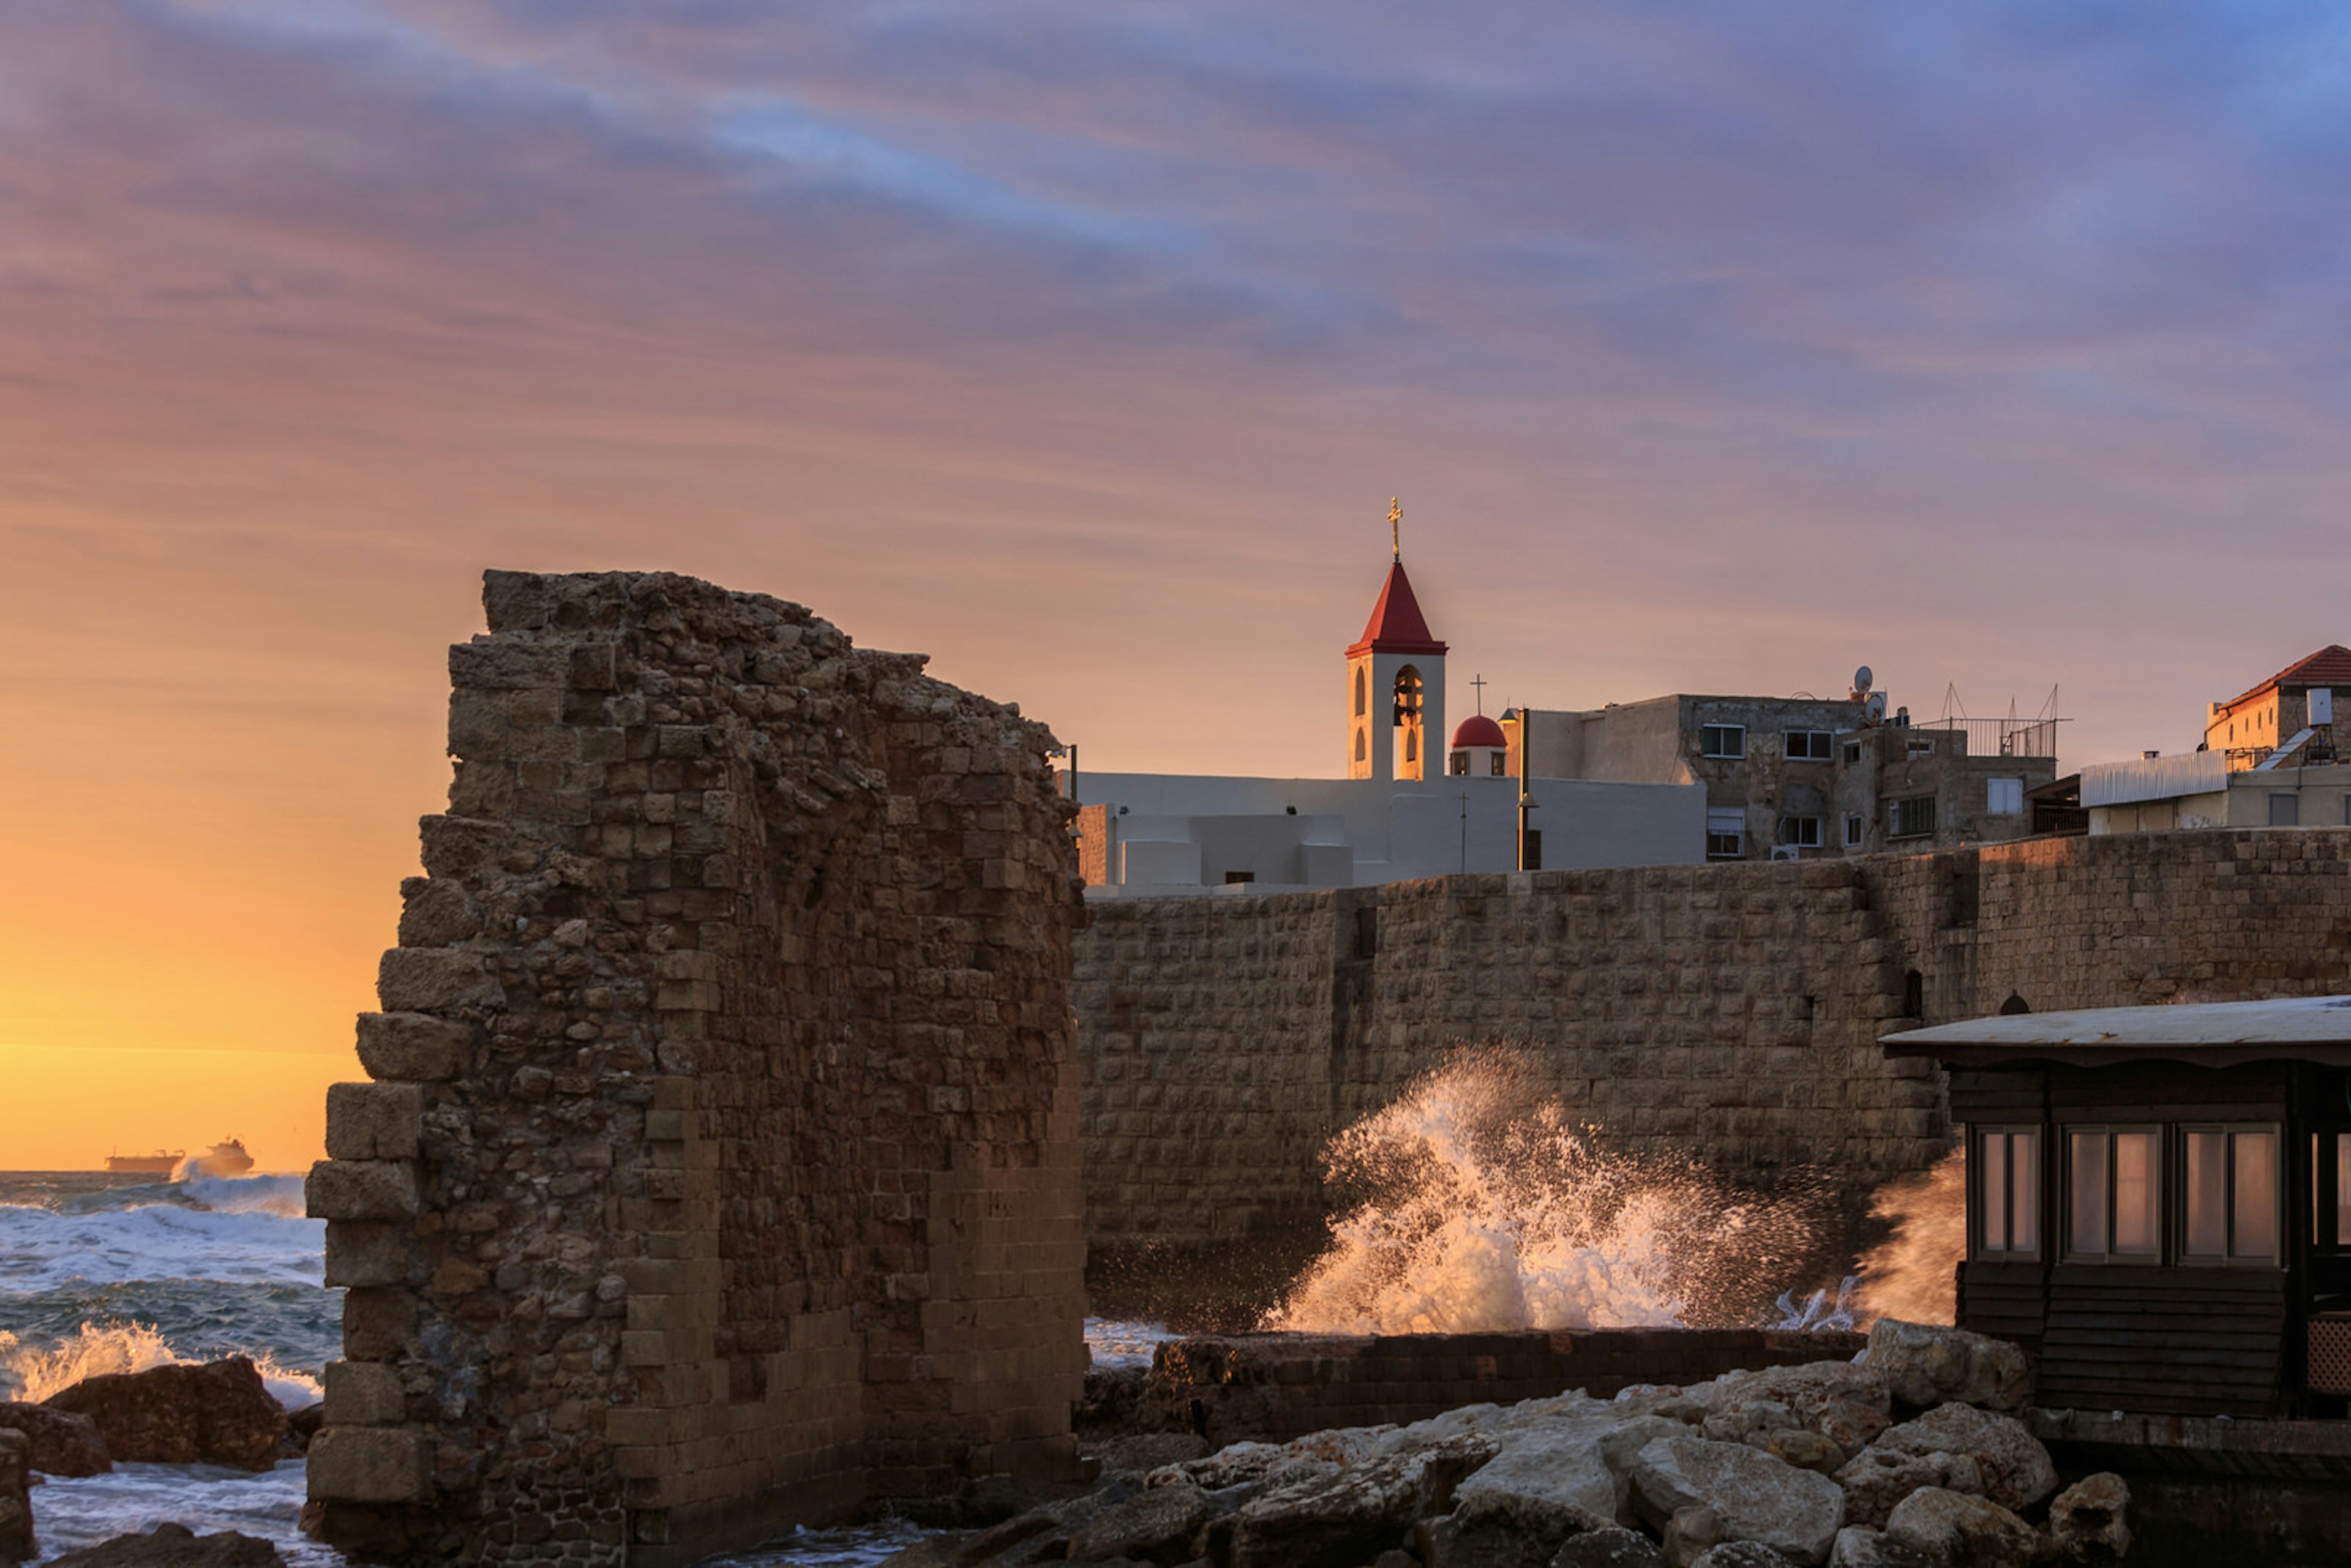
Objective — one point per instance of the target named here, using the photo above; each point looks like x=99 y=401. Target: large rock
x=2015 y=1468
x=1956 y=1530
x=1616 y=1548
x=1156 y=1525
x=1556 y=1479
x=1351 y=1515
x=1795 y=1512
x=174 y=1546
x=1927 y=1365
x=1877 y=1479
x=2085 y=1520
x=1858 y=1548
x=16 y=1496
x=63 y=1443
x=216 y=1413
x=1739 y=1554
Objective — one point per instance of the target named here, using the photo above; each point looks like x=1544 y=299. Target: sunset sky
x=1710 y=347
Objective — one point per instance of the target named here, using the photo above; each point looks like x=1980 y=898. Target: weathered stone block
x=435 y=979
x=362 y=1394
x=361 y=1189
x=374 y=1121
x=411 y=1047
x=366 y=1252
x=369 y=1464
x=379 y=1323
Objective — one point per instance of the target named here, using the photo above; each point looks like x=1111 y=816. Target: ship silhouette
x=225 y=1159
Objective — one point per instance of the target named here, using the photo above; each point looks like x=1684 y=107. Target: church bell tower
x=1395 y=681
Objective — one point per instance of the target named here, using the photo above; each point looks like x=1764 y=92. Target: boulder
x=1739 y=1554
x=1858 y=1548
x=1147 y=1451
x=1556 y=1478
x=1691 y=1532
x=1802 y=1447
x=1877 y=1479
x=16 y=1496
x=1155 y=1525
x=1795 y=1512
x=62 y=1444
x=1351 y=1515
x=215 y=1413
x=175 y=1546
x=2015 y=1468
x=1924 y=1363
x=1614 y=1547
x=2085 y=1520
x=1954 y=1530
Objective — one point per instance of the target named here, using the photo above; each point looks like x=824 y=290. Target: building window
x=2231 y=1193
x=1853 y=831
x=1722 y=740
x=1359 y=693
x=1726 y=834
x=1809 y=745
x=2113 y=1194
x=1461 y=763
x=2004 y=797
x=2005 y=1171
x=1804 y=833
x=1911 y=818
x=2330 y=1177
x=1852 y=752
x=1236 y=878
x=2285 y=810
x=1914 y=748
x=1359 y=746
x=1499 y=761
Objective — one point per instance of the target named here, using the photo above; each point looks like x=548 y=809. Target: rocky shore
x=1906 y=1457
x=218 y=1413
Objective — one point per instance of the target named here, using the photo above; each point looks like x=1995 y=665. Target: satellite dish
x=1874 y=706
x=1861 y=681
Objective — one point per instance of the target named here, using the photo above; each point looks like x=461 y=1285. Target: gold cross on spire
x=1396 y=528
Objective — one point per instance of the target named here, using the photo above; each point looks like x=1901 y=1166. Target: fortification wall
x=719 y=1164
x=1729 y=1013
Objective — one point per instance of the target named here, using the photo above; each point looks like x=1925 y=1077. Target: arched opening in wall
x=2014 y=1005
x=1363 y=691
x=1914 y=994
x=1406 y=706
x=1360 y=753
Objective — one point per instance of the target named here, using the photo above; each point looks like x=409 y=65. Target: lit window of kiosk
x=2159 y=1200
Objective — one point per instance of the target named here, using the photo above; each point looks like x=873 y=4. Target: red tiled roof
x=1396 y=625
x=2330 y=666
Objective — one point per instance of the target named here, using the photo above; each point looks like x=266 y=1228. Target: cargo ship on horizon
x=225 y=1158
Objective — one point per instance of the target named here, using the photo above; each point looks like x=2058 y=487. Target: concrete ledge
x=2195 y=1445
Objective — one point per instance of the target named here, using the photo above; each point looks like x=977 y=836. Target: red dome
x=1479 y=730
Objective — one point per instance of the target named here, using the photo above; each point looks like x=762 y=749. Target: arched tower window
x=1361 y=694
x=1407 y=695
x=2014 y=1005
x=1360 y=754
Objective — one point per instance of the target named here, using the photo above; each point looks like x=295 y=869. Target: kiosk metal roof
x=2206 y=1034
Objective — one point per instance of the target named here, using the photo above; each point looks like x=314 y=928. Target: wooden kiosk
x=2159 y=1200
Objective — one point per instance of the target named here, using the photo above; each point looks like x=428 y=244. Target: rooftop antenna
x=1396 y=528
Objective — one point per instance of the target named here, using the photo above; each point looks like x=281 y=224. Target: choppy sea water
x=110 y=1273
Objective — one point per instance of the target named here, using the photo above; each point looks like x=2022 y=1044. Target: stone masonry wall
x=718 y=1161
x=1728 y=1012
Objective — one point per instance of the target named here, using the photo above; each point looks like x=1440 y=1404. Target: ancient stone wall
x=718 y=1165
x=1727 y=1012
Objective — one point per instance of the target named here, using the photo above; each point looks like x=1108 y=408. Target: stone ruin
x=718 y=1165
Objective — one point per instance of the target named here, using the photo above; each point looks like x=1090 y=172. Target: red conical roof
x=1396 y=625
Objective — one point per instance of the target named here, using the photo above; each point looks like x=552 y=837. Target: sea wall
x=718 y=1162
x=1727 y=1013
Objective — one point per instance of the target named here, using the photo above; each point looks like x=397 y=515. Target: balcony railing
x=2002 y=737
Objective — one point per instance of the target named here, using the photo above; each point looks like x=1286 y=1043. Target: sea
x=102 y=1272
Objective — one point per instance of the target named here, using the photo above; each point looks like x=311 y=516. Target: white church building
x=1399 y=814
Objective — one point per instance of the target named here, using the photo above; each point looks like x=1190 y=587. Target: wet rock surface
x=16 y=1496
x=174 y=1546
x=217 y=1412
x=62 y=1443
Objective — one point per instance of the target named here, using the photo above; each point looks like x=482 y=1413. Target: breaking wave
x=1479 y=1205
x=1911 y=1275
